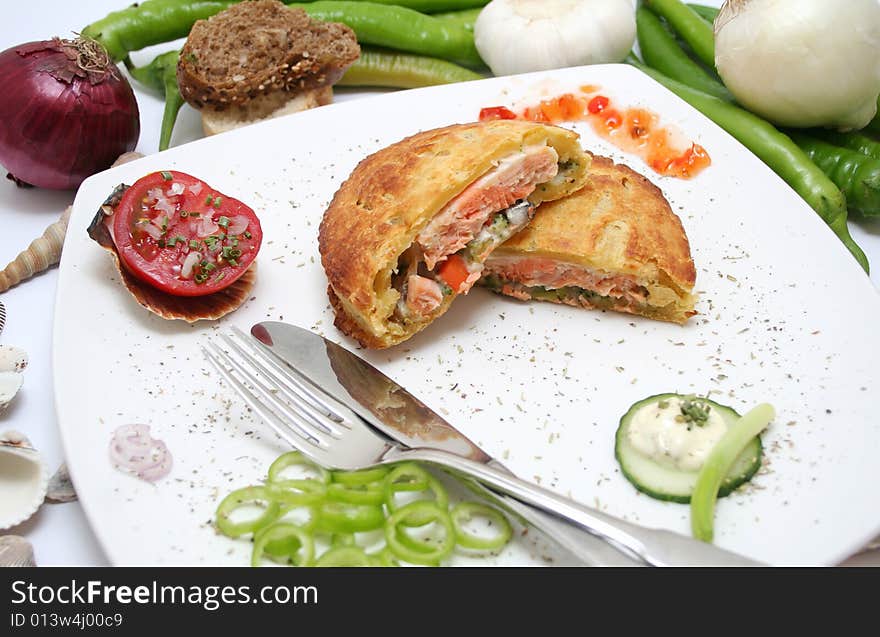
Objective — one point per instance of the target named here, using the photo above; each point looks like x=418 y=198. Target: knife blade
x=398 y=414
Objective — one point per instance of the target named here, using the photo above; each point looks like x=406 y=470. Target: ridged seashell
x=24 y=479
x=60 y=487
x=16 y=551
x=13 y=360
x=2 y=316
x=40 y=255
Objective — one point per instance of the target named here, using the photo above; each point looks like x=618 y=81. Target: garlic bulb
x=518 y=36
x=802 y=63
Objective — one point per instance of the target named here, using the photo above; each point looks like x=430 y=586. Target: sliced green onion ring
x=292 y=458
x=428 y=554
x=465 y=511
x=362 y=477
x=339 y=517
x=281 y=532
x=415 y=477
x=241 y=497
x=342 y=539
x=344 y=556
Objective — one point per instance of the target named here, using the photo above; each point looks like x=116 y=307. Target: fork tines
x=301 y=414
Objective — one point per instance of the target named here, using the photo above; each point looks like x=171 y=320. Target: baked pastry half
x=412 y=226
x=615 y=244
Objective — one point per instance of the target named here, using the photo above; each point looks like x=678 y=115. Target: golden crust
x=392 y=194
x=619 y=222
x=168 y=306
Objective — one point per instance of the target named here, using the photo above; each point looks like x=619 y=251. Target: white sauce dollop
x=656 y=433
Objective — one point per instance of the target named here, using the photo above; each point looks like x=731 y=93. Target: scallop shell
x=168 y=306
x=16 y=551
x=60 y=487
x=24 y=479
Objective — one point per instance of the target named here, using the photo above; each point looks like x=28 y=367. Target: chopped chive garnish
x=209 y=267
x=170 y=243
x=167 y=175
x=184 y=214
x=247 y=235
x=194 y=244
x=223 y=222
x=161 y=243
x=218 y=201
x=195 y=214
x=220 y=277
x=201 y=278
x=209 y=200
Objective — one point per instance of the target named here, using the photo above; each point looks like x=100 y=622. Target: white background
x=61 y=533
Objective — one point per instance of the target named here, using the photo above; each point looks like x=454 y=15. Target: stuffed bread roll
x=615 y=244
x=411 y=227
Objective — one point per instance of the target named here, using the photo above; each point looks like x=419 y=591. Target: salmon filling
x=448 y=254
x=550 y=280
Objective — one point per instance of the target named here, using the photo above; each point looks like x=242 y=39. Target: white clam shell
x=16 y=551
x=24 y=479
x=13 y=360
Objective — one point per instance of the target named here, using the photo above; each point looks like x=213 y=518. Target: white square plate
x=785 y=316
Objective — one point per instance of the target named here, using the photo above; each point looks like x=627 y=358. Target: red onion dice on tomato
x=66 y=112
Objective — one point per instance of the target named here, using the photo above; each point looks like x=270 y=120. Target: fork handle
x=655 y=547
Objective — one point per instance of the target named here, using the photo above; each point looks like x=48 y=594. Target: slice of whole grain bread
x=260 y=47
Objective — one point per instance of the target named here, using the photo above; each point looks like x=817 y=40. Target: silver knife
x=401 y=416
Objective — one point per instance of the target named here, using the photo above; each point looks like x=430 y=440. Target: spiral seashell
x=45 y=251
x=16 y=551
x=40 y=255
x=2 y=316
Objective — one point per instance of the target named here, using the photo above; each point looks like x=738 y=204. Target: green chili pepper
x=403 y=70
x=292 y=458
x=707 y=13
x=240 y=497
x=857 y=175
x=297 y=492
x=416 y=551
x=362 y=477
x=689 y=26
x=854 y=140
x=150 y=22
x=344 y=556
x=399 y=28
x=465 y=511
x=661 y=51
x=161 y=75
x=298 y=539
x=466 y=17
x=339 y=517
x=356 y=494
x=411 y=477
x=776 y=150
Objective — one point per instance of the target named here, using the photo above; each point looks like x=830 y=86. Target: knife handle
x=654 y=547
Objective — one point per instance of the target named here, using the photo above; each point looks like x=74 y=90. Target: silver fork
x=335 y=437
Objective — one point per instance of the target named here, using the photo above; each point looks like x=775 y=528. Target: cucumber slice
x=671 y=484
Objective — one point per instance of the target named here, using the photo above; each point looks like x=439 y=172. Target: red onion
x=66 y=112
x=134 y=451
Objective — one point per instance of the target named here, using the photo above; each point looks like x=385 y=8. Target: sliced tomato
x=496 y=112
x=453 y=271
x=176 y=233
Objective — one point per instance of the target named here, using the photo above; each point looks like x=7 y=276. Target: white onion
x=518 y=36
x=237 y=225
x=134 y=451
x=196 y=188
x=189 y=263
x=802 y=63
x=151 y=230
x=176 y=189
x=206 y=227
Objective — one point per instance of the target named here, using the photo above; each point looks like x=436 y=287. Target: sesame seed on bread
x=259 y=47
